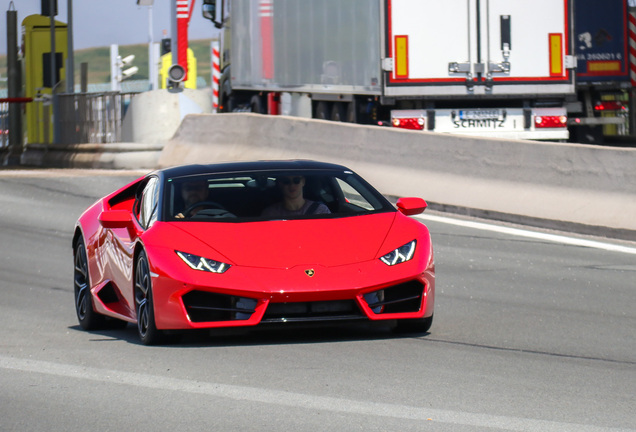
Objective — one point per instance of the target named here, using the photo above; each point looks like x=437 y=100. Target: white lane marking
x=295 y=400
x=531 y=234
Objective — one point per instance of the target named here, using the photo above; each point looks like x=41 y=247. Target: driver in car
x=193 y=192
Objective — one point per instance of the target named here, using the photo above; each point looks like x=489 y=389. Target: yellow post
x=36 y=33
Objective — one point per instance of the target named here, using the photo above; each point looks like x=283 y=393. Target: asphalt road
x=530 y=334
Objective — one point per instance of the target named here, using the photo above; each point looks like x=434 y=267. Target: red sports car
x=245 y=243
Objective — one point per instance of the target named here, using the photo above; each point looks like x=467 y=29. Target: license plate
x=482 y=114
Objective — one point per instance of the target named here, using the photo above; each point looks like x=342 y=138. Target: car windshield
x=271 y=195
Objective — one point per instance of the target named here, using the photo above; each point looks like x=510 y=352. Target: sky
x=98 y=23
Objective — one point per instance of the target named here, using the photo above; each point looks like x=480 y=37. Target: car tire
x=146 y=327
x=420 y=325
x=87 y=317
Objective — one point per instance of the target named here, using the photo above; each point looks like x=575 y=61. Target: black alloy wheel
x=86 y=315
x=146 y=327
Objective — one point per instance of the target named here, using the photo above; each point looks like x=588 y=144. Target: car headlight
x=204 y=264
x=400 y=255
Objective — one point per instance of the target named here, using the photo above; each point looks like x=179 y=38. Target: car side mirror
x=411 y=206
x=115 y=219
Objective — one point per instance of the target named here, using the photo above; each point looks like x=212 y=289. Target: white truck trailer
x=496 y=68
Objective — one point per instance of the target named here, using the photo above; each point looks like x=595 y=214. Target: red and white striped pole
x=632 y=65
x=632 y=45
x=216 y=74
x=183 y=19
x=266 y=14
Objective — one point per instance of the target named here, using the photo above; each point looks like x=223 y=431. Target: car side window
x=148 y=208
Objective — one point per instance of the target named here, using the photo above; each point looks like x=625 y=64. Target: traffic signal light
x=117 y=71
x=48 y=9
x=126 y=73
x=176 y=74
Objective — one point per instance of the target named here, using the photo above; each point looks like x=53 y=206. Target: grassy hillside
x=98 y=60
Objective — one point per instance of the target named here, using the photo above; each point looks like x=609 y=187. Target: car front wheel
x=146 y=327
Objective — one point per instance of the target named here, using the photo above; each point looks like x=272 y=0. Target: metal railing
x=83 y=117
x=4 y=124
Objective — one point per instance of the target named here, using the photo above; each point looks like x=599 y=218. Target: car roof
x=229 y=167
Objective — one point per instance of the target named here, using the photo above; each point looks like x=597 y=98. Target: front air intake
x=402 y=298
x=205 y=306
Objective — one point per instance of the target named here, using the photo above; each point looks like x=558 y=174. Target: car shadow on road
x=271 y=334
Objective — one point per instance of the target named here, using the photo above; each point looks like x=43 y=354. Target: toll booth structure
x=36 y=43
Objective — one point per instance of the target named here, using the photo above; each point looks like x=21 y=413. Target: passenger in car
x=293 y=202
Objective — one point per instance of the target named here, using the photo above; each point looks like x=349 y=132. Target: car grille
x=312 y=311
x=204 y=306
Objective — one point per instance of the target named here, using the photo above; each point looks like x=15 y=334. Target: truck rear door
x=477 y=47
x=601 y=41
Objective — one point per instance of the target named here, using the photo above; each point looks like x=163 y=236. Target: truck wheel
x=322 y=111
x=338 y=112
x=256 y=105
x=229 y=105
x=351 y=112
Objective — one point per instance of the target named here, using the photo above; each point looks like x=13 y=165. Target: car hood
x=289 y=243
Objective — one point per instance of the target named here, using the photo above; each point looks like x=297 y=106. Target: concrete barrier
x=567 y=186
x=102 y=156
x=154 y=116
